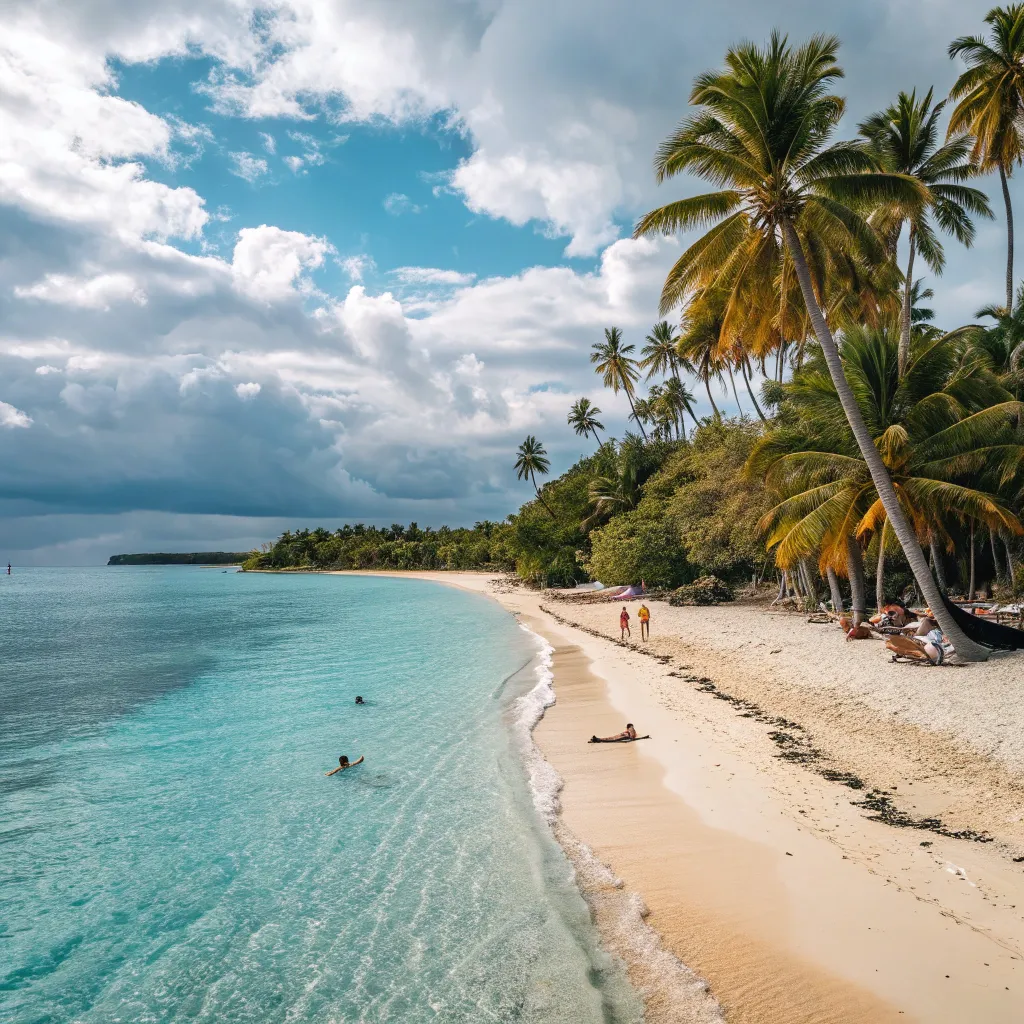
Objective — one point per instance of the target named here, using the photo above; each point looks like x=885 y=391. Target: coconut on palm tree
x=583 y=419
x=990 y=104
x=619 y=370
x=531 y=459
x=904 y=139
x=763 y=131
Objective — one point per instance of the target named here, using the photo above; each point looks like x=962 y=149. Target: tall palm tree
x=698 y=351
x=660 y=355
x=763 y=131
x=990 y=104
x=583 y=419
x=904 y=139
x=679 y=399
x=617 y=367
x=531 y=459
x=1001 y=346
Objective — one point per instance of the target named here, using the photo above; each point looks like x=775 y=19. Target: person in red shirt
x=624 y=624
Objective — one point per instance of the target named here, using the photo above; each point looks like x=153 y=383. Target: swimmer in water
x=359 y=700
x=343 y=762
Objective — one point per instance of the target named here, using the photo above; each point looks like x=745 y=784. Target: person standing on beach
x=644 y=615
x=624 y=624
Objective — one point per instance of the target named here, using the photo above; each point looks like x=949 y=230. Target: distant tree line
x=395 y=547
x=182 y=558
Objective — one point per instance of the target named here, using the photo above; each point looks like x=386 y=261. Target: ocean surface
x=170 y=849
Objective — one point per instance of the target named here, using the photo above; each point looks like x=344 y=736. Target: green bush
x=639 y=545
x=702 y=591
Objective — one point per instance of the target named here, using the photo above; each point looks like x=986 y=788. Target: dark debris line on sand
x=794 y=745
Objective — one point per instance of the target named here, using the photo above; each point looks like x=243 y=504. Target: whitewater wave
x=672 y=991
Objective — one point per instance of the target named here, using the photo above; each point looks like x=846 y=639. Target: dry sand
x=761 y=873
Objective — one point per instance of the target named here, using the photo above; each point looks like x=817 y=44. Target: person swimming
x=359 y=700
x=344 y=762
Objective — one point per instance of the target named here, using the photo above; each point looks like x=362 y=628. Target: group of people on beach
x=906 y=635
x=643 y=614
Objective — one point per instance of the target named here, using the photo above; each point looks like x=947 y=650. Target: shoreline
x=760 y=872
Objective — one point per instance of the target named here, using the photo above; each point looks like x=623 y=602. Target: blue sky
x=375 y=189
x=268 y=265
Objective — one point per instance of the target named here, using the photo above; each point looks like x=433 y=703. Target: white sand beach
x=740 y=824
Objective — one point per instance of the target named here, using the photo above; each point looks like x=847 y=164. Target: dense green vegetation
x=871 y=442
x=182 y=558
x=370 y=547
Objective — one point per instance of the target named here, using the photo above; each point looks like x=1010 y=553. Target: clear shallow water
x=170 y=849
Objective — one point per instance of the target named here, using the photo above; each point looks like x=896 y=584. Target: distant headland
x=182 y=558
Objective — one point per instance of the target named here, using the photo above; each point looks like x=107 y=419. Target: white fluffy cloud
x=270 y=263
x=98 y=292
x=11 y=417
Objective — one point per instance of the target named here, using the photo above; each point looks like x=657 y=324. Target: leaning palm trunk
x=735 y=393
x=637 y=418
x=965 y=648
x=996 y=561
x=833 y=586
x=970 y=586
x=880 y=571
x=707 y=388
x=746 y=380
x=937 y=567
x=903 y=359
x=1010 y=568
x=1009 y=237
x=855 y=571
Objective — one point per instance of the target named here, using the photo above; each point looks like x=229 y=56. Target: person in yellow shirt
x=644 y=615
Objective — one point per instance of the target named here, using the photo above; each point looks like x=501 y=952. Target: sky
x=265 y=266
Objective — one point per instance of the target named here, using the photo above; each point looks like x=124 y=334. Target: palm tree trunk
x=809 y=582
x=855 y=571
x=746 y=380
x=540 y=497
x=707 y=388
x=903 y=360
x=996 y=561
x=637 y=418
x=965 y=648
x=1009 y=238
x=880 y=571
x=778 y=361
x=937 y=567
x=735 y=393
x=837 y=594
x=1010 y=568
x=970 y=586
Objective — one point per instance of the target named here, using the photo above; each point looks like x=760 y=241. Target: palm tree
x=990 y=95
x=617 y=367
x=945 y=428
x=903 y=138
x=1001 y=346
x=660 y=356
x=763 y=131
x=583 y=419
x=698 y=352
x=679 y=399
x=531 y=459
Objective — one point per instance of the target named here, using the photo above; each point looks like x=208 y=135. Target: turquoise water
x=170 y=849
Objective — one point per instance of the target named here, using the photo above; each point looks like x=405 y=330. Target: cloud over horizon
x=165 y=361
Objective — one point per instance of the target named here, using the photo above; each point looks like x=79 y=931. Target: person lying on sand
x=919 y=648
x=621 y=737
x=343 y=762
